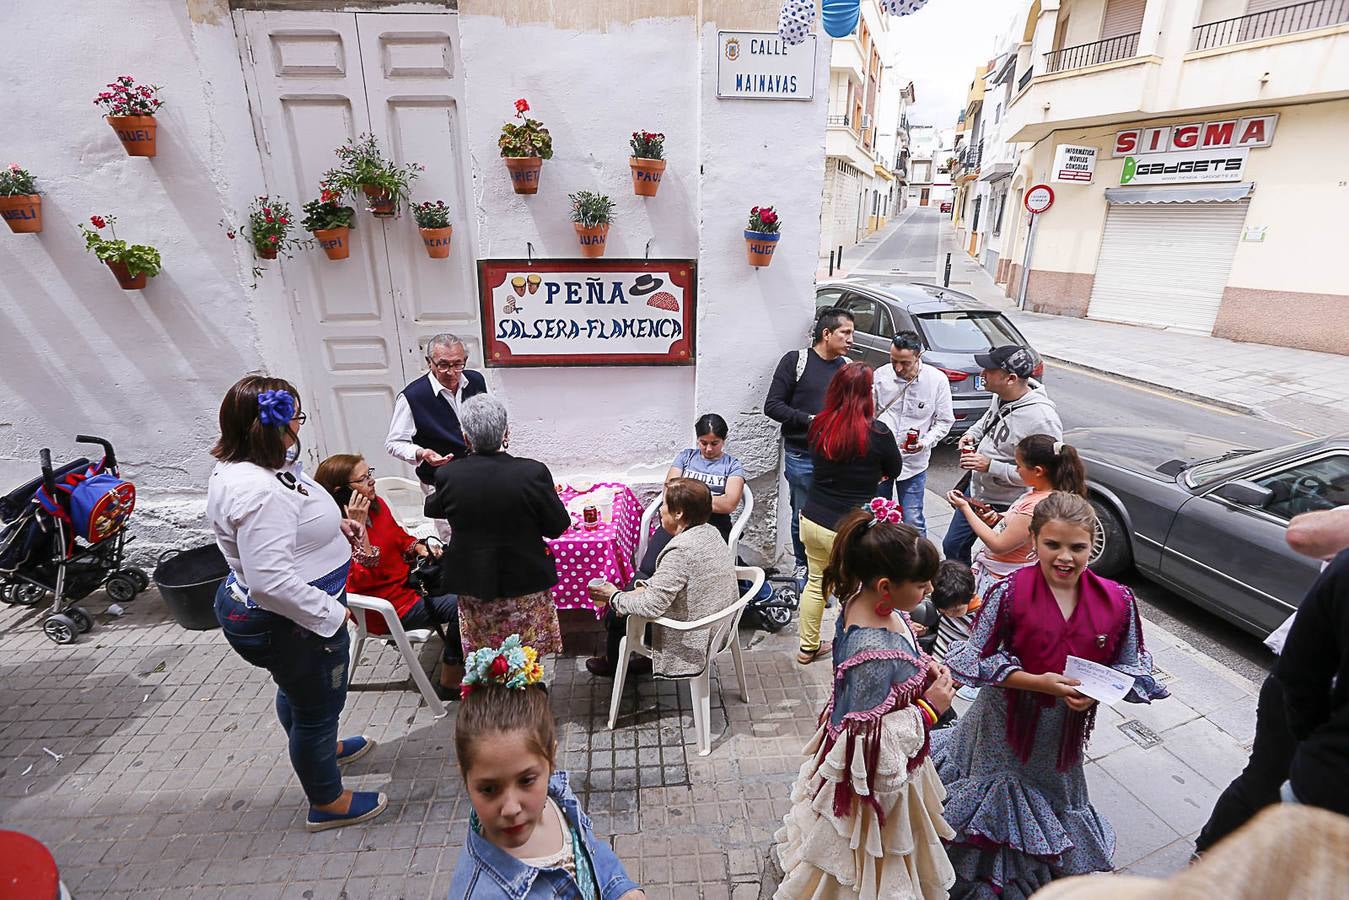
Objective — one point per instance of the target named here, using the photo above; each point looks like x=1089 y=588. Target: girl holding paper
x=1012 y=765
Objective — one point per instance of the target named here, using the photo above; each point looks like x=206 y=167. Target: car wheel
x=1114 y=555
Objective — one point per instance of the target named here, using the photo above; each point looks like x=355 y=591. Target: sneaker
x=365 y=805
x=353 y=748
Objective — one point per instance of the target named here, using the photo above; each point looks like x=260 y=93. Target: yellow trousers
x=819 y=543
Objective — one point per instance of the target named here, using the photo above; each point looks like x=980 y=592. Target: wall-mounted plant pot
x=266 y=252
x=382 y=205
x=592 y=240
x=524 y=173
x=22 y=213
x=437 y=241
x=646 y=175
x=125 y=279
x=334 y=241
x=137 y=133
x=760 y=246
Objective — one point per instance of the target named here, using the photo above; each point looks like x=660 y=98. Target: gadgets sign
x=1184 y=167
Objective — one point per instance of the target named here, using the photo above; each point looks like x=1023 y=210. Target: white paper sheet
x=1099 y=682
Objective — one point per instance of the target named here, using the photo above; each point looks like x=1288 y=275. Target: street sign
x=1039 y=198
x=760 y=65
x=1074 y=164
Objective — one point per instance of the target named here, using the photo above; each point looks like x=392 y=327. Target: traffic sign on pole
x=1039 y=198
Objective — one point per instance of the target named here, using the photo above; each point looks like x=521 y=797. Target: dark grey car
x=952 y=325
x=1208 y=518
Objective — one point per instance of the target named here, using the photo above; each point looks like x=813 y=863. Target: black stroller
x=64 y=534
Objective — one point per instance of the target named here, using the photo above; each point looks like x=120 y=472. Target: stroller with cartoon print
x=64 y=534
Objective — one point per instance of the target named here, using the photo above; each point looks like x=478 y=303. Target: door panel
x=868 y=316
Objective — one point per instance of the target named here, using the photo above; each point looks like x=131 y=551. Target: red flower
x=283 y=220
x=272 y=239
x=267 y=217
x=230 y=235
x=464 y=691
x=521 y=106
x=500 y=667
x=98 y=221
x=329 y=196
x=754 y=211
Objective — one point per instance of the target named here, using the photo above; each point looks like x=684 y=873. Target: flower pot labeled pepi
x=760 y=246
x=335 y=241
x=137 y=133
x=437 y=241
x=646 y=175
x=524 y=173
x=22 y=213
x=125 y=279
x=382 y=204
x=592 y=239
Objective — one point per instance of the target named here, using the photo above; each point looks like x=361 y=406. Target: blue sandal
x=365 y=805
x=354 y=748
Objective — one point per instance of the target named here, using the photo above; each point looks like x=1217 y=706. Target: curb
x=1189 y=395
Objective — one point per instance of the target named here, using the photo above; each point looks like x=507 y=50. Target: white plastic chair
x=402 y=639
x=406 y=500
x=652 y=512
x=725 y=636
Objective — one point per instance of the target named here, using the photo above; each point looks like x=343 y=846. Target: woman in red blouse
x=382 y=569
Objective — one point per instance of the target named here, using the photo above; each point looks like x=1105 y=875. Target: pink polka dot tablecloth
x=604 y=553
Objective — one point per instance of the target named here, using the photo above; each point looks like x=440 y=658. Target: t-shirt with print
x=714 y=473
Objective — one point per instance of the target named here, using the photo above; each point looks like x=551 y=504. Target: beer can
x=591 y=516
x=911 y=441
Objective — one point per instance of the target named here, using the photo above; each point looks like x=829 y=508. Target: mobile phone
x=343 y=496
x=978 y=505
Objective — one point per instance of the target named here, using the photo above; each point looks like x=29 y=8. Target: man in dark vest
x=425 y=430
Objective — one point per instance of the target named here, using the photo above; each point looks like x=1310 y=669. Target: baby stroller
x=64 y=534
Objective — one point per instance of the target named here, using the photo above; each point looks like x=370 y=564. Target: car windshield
x=966 y=331
x=1235 y=461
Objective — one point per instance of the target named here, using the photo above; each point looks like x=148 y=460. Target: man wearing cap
x=1020 y=408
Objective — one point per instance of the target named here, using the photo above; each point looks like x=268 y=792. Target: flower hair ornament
x=513 y=664
x=883 y=510
x=276 y=407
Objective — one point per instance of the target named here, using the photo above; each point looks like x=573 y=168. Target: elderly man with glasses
x=425 y=430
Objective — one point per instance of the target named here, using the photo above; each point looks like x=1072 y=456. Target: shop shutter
x=1166 y=264
x=1122 y=17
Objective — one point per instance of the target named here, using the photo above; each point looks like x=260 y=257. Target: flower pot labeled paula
x=433 y=223
x=647 y=162
x=524 y=147
x=591 y=215
x=131 y=264
x=330 y=222
x=20 y=203
x=761 y=236
x=130 y=109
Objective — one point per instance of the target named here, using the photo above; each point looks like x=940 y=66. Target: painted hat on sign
x=645 y=284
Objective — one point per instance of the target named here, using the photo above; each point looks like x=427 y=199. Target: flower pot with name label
x=524 y=173
x=760 y=246
x=646 y=174
x=437 y=241
x=592 y=239
x=125 y=279
x=22 y=213
x=382 y=204
x=266 y=252
x=137 y=133
x=334 y=241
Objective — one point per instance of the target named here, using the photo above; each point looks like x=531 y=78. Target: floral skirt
x=486 y=623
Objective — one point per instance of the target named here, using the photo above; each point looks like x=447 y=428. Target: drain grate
x=1141 y=734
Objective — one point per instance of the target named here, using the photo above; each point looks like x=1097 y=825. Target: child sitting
x=953 y=595
x=527 y=830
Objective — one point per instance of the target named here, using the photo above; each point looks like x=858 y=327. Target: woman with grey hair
x=501 y=508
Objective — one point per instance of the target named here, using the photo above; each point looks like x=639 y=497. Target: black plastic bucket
x=188 y=581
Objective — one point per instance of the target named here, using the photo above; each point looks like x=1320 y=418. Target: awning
x=1208 y=193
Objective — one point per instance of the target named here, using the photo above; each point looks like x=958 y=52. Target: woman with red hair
x=852 y=453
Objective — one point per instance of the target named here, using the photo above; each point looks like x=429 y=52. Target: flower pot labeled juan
x=592 y=239
x=437 y=241
x=137 y=133
x=125 y=279
x=524 y=173
x=382 y=205
x=334 y=241
x=266 y=252
x=760 y=246
x=646 y=175
x=22 y=213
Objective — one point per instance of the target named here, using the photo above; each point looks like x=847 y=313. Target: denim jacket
x=486 y=872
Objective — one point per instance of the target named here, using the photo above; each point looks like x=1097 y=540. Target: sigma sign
x=1252 y=131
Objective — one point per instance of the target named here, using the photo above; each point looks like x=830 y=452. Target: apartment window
x=1002 y=206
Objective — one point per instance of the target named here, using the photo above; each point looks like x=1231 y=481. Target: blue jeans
x=799 y=469
x=960 y=537
x=910 y=497
x=311 y=686
x=429 y=612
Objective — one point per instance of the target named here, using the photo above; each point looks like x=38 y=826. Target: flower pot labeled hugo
x=433 y=222
x=647 y=162
x=20 y=203
x=761 y=237
x=590 y=215
x=131 y=264
x=524 y=147
x=330 y=222
x=130 y=110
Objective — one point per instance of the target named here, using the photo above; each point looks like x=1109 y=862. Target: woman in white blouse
x=282 y=608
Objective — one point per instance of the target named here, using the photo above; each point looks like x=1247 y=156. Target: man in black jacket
x=795 y=396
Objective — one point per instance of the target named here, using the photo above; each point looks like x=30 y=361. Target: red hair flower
x=500 y=666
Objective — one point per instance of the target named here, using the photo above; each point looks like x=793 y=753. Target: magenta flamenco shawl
x=1031 y=627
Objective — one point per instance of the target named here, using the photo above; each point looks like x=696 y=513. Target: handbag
x=424 y=574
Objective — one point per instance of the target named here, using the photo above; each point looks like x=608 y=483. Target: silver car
x=953 y=327
x=1208 y=518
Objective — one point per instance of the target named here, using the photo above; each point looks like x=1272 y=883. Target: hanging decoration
x=839 y=16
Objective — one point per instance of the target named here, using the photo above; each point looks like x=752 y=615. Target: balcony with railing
x=1097 y=52
x=1292 y=19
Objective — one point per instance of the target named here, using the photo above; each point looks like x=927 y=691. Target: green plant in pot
x=20 y=202
x=591 y=215
x=330 y=221
x=524 y=147
x=362 y=169
x=433 y=221
x=132 y=264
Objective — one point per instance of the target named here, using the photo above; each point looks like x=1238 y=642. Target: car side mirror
x=1245 y=493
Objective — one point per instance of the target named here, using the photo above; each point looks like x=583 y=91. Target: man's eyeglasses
x=368 y=479
x=442 y=366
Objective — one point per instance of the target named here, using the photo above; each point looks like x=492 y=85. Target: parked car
x=946 y=206
x=953 y=327
x=1208 y=518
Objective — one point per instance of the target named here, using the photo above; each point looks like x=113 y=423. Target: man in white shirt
x=425 y=430
x=910 y=396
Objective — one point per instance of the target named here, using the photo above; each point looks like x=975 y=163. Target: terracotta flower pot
x=22 y=213
x=646 y=175
x=266 y=252
x=382 y=205
x=760 y=246
x=137 y=133
x=437 y=241
x=334 y=241
x=524 y=173
x=125 y=279
x=593 y=239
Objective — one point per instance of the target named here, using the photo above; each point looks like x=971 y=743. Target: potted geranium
x=130 y=109
x=524 y=147
x=131 y=263
x=364 y=169
x=761 y=237
x=330 y=222
x=433 y=221
x=20 y=203
x=268 y=228
x=647 y=162
x=590 y=215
